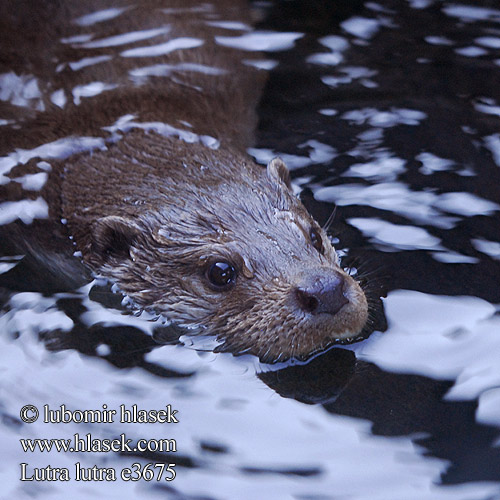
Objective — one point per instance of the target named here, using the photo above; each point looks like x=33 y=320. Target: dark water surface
x=388 y=110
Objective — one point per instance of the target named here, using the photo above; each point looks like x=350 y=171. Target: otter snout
x=322 y=294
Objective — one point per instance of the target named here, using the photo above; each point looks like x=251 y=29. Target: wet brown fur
x=151 y=211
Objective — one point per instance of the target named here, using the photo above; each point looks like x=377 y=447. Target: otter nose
x=322 y=294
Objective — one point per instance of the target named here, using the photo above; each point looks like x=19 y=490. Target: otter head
x=240 y=257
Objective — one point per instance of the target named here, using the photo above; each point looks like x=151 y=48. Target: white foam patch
x=444 y=338
x=267 y=41
x=326 y=59
x=336 y=44
x=60 y=149
x=32 y=312
x=432 y=163
x=9 y=262
x=90 y=90
x=420 y=4
x=319 y=153
x=385 y=119
x=103 y=350
x=492 y=42
x=25 y=210
x=45 y=166
x=438 y=40
x=488 y=106
x=350 y=73
x=126 y=123
x=361 y=27
x=376 y=7
x=487 y=411
x=492 y=142
x=84 y=37
x=450 y=257
x=370 y=138
x=67 y=146
x=182 y=43
x=6 y=267
x=471 y=51
x=123 y=39
x=204 y=8
x=427 y=334
x=22 y=90
x=328 y=112
x=491 y=248
x=383 y=167
x=264 y=64
x=394 y=237
x=33 y=182
x=139 y=75
x=466 y=204
x=58 y=97
x=229 y=25
x=99 y=16
x=88 y=61
x=471 y=12
x=397 y=197
x=96 y=314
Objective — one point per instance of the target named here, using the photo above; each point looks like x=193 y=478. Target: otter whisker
x=329 y=221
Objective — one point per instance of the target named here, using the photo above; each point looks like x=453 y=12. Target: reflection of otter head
x=236 y=252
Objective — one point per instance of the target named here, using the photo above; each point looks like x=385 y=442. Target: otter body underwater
x=172 y=209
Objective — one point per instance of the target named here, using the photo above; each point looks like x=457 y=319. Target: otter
x=168 y=205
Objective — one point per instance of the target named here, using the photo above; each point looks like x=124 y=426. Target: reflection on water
x=126 y=38
x=269 y=42
x=386 y=109
x=99 y=16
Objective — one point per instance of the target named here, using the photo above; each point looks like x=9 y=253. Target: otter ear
x=112 y=237
x=278 y=171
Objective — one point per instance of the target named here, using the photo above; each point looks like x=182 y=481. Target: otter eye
x=221 y=274
x=316 y=240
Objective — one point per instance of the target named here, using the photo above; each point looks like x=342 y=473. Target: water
x=389 y=110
